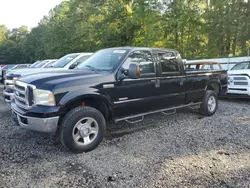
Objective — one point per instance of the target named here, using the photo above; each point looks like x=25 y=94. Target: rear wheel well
x=214 y=87
x=96 y=103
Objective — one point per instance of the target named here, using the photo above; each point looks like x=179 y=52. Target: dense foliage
x=196 y=28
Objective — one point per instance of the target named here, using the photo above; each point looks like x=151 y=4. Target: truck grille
x=234 y=80
x=9 y=77
x=23 y=95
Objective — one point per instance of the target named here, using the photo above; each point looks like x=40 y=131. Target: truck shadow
x=116 y=130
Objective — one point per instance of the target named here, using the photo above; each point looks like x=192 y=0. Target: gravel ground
x=181 y=150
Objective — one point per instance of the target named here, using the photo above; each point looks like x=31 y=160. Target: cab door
x=134 y=96
x=171 y=79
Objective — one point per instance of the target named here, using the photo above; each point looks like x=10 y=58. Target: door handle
x=157 y=82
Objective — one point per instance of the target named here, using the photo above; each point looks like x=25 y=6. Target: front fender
x=79 y=94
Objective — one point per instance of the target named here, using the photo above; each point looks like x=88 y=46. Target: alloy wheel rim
x=211 y=103
x=85 y=131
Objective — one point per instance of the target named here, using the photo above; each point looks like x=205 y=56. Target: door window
x=144 y=59
x=168 y=62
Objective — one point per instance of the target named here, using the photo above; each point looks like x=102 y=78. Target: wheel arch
x=96 y=101
x=214 y=85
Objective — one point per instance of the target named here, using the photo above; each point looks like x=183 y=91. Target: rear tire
x=82 y=129
x=209 y=103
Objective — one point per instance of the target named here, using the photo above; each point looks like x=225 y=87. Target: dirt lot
x=182 y=150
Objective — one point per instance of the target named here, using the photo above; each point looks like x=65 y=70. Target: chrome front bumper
x=9 y=86
x=48 y=125
x=7 y=94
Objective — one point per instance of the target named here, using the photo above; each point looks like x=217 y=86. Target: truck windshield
x=104 y=60
x=240 y=66
x=62 y=62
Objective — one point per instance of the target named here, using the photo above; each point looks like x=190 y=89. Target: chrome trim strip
x=10 y=86
x=108 y=86
x=20 y=91
x=21 y=99
x=169 y=77
x=21 y=105
x=8 y=94
x=131 y=100
x=147 y=98
x=9 y=82
x=22 y=84
x=7 y=101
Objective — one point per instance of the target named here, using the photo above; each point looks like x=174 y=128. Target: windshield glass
x=10 y=66
x=49 y=64
x=240 y=66
x=35 y=64
x=41 y=64
x=104 y=60
x=62 y=62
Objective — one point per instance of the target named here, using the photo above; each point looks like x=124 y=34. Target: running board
x=141 y=116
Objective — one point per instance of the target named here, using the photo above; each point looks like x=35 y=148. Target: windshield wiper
x=92 y=68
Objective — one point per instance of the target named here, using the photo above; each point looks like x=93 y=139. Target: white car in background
x=69 y=61
x=46 y=63
x=239 y=80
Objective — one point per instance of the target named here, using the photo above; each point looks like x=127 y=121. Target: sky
x=15 y=13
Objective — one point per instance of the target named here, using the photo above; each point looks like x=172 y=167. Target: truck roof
x=142 y=48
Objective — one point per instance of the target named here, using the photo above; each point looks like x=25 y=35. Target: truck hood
x=239 y=72
x=27 y=71
x=54 y=80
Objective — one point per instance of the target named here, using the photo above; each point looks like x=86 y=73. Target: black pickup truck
x=124 y=83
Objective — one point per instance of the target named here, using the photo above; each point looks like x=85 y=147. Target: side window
x=216 y=67
x=143 y=58
x=168 y=62
x=207 y=67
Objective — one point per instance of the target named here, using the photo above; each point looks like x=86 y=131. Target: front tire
x=82 y=129
x=209 y=103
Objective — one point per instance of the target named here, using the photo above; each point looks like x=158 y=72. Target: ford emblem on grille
x=231 y=80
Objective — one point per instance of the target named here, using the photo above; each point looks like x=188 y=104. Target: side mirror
x=134 y=71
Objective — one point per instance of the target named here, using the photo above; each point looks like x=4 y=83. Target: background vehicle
x=4 y=70
x=239 y=80
x=226 y=63
x=33 y=65
x=113 y=84
x=202 y=66
x=46 y=63
x=69 y=61
x=20 y=66
x=8 y=68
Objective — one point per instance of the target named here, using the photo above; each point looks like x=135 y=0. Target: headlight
x=44 y=97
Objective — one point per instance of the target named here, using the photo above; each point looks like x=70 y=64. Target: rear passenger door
x=171 y=78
